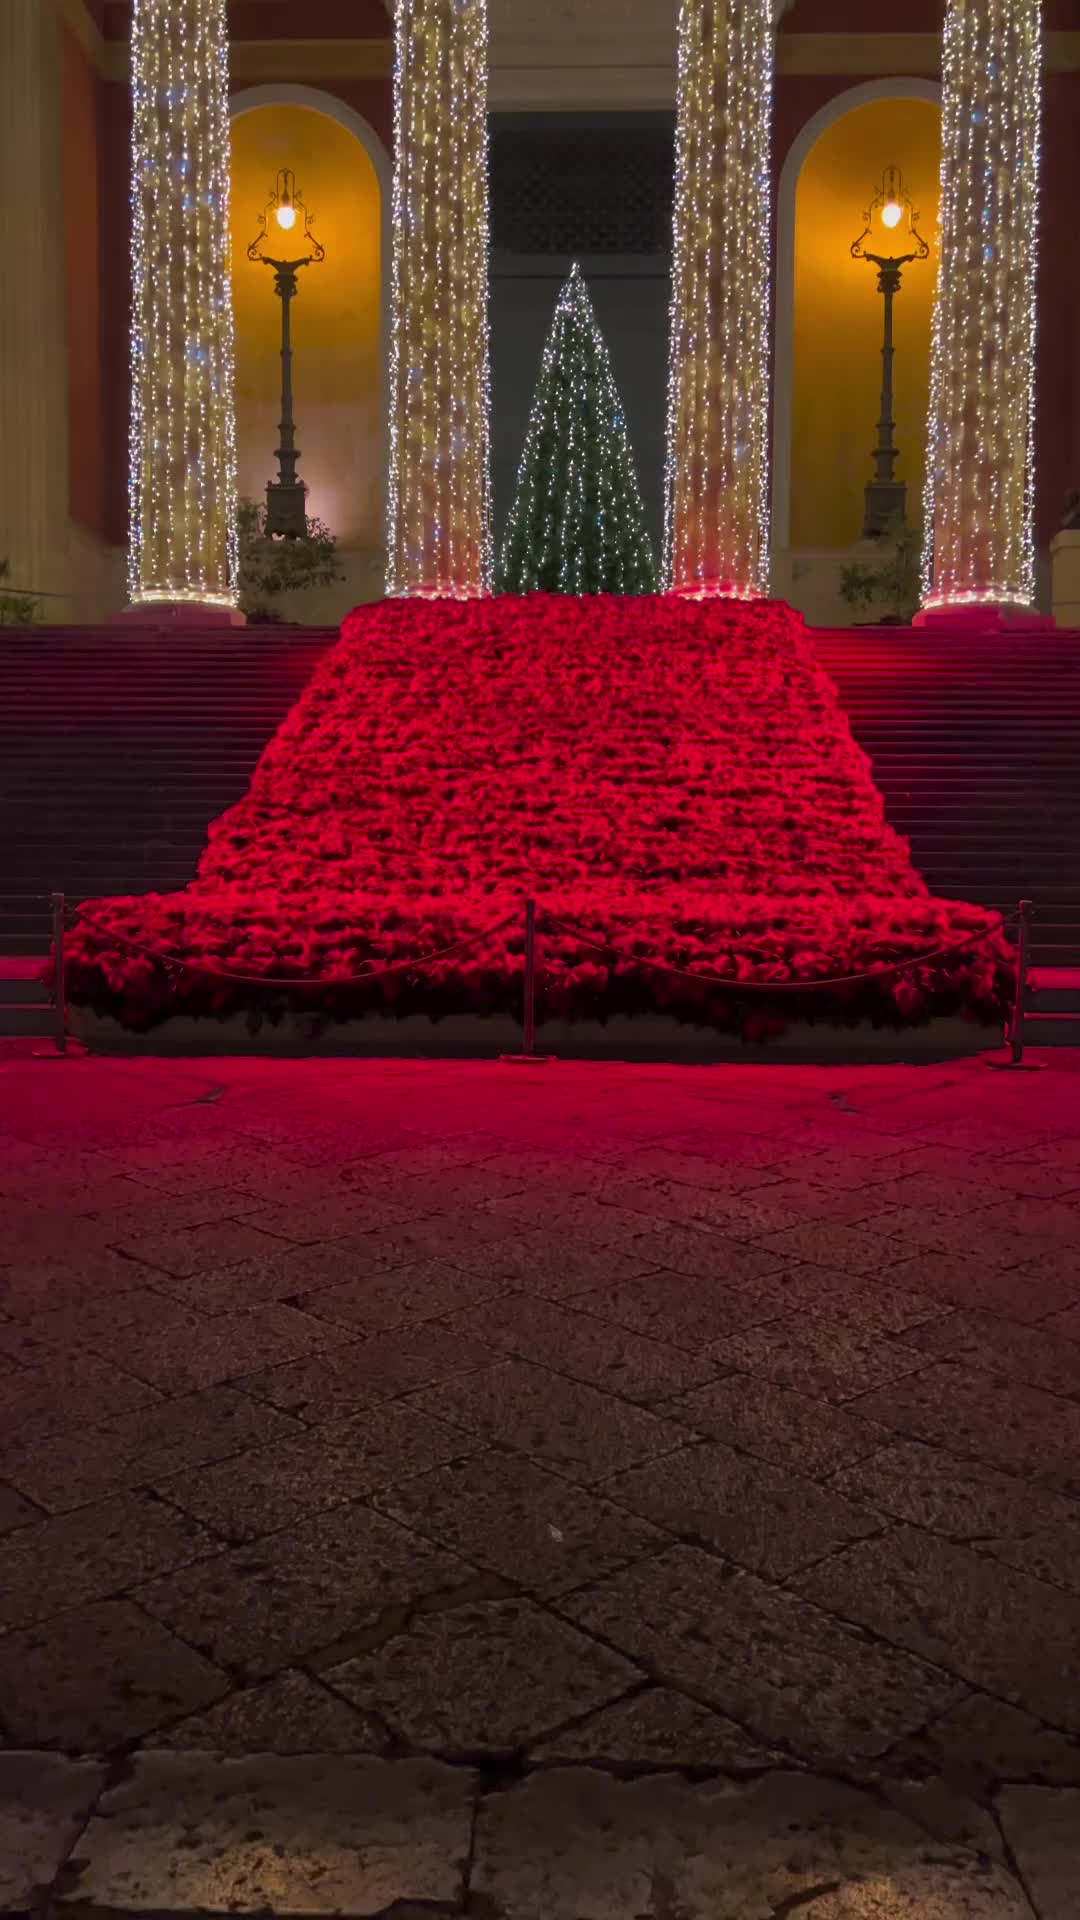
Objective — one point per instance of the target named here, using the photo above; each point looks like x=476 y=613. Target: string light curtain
x=980 y=470
x=439 y=532
x=183 y=424
x=717 y=526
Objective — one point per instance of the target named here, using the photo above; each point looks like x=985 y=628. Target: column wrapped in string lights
x=183 y=424
x=717 y=527
x=980 y=469
x=439 y=537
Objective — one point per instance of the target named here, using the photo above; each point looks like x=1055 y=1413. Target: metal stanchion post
x=529 y=1057
x=59 y=989
x=529 y=1020
x=1015 y=1032
x=62 y=1048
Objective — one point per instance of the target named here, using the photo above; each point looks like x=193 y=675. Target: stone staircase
x=975 y=745
x=118 y=746
x=26 y=1009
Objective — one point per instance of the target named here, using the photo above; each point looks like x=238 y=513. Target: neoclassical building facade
x=582 y=113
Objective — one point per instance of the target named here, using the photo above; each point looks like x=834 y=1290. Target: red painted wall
x=274 y=19
x=917 y=16
x=81 y=96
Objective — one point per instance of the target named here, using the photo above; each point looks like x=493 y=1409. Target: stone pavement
x=682 y=1428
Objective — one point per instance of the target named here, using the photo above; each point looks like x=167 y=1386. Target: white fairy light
x=439 y=538
x=182 y=441
x=979 y=498
x=717 y=519
x=576 y=402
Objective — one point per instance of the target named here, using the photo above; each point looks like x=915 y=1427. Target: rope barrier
x=177 y=962
x=778 y=986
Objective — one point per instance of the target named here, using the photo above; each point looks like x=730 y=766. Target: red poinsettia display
x=673 y=777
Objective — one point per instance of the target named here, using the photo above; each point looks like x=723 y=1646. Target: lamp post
x=286 y=497
x=885 y=496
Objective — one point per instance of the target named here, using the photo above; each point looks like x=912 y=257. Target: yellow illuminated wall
x=338 y=403
x=838 y=319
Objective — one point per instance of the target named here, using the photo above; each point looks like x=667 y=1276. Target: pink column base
x=179 y=613
x=985 y=619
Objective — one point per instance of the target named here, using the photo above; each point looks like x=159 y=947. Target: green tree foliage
x=577 y=524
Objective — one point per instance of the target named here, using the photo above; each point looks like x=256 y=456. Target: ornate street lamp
x=889 y=211
x=286 y=497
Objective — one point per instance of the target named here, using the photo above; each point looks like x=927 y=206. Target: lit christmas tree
x=577 y=524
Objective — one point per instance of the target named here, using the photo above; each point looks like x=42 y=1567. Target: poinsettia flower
x=672 y=777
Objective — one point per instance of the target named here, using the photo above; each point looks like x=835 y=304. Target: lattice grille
x=582 y=190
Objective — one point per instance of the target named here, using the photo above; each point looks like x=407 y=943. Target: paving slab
x=794 y=1675
x=827 y=1356
x=555 y=1269
x=404 y=1295
x=45 y=1802
x=87 y=1464
x=333 y=1835
x=762 y=1517
x=1026 y=1293
x=1029 y=1354
x=779 y=1424
x=218 y=1348
x=1042 y=1826
x=605 y=1226
x=586 y=1348
x=559 y=1423
x=362 y=1373
x=97 y=1676
x=492 y=1676
x=292 y=1713
x=279 y=1486
x=981 y=1743
x=657 y=1728
x=514 y=1518
x=70 y=1390
x=15 y=1510
x=94 y=1552
x=1030 y=1528
x=255 y=1609
x=1006 y=1633
x=575 y=1845
x=982 y=1416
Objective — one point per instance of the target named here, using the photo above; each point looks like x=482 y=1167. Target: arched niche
x=341 y=314
x=828 y=312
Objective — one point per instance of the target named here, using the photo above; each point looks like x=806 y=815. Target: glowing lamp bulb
x=891 y=213
x=286 y=217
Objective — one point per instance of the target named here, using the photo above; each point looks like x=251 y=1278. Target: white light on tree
x=183 y=429
x=980 y=469
x=717 y=529
x=439 y=539
x=577 y=524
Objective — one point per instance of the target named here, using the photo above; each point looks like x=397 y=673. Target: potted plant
x=893 y=583
x=270 y=567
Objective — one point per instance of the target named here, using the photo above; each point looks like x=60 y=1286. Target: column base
x=986 y=618
x=720 y=590
x=1065 y=575
x=179 y=613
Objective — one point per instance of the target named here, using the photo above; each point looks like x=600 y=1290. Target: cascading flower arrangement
x=669 y=775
